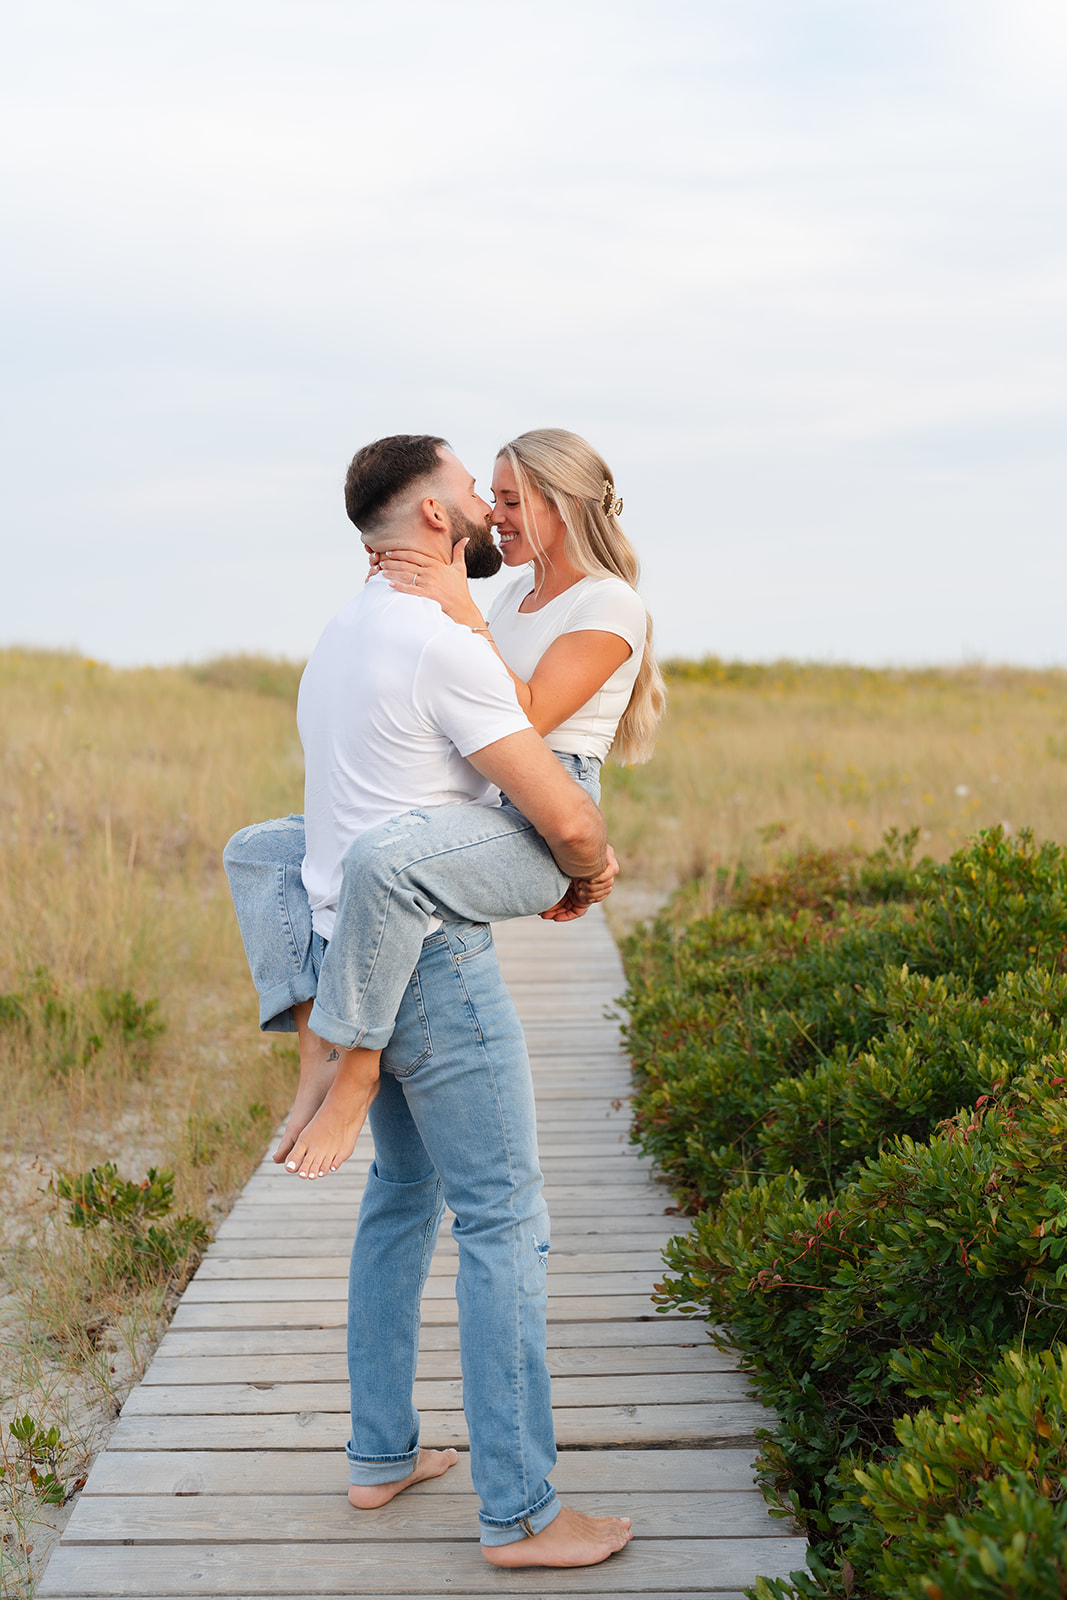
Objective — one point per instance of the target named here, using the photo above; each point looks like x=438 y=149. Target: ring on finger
x=414 y=580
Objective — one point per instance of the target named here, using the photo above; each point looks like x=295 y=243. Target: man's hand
x=584 y=892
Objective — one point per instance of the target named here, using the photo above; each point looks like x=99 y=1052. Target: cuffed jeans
x=454 y=1123
x=462 y=863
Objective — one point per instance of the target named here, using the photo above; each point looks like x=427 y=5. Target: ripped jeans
x=454 y=1122
x=463 y=863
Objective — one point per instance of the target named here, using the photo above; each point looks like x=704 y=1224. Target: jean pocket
x=412 y=1038
x=466 y=939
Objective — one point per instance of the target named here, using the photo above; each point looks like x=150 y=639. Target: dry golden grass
x=119 y=789
x=118 y=792
x=753 y=761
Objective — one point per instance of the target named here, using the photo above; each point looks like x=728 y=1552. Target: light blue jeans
x=454 y=1122
x=461 y=863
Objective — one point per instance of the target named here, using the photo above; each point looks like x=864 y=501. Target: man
x=401 y=707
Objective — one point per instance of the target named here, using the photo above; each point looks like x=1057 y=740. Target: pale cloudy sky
x=795 y=266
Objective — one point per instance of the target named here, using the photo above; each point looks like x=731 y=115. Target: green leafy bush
x=868 y=1094
x=719 y=1016
x=139 y=1250
x=995 y=907
x=913 y=1284
x=972 y=1505
x=723 y=1014
x=35 y=1461
x=942 y=1048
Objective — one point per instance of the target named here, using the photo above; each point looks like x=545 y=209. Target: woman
x=577 y=642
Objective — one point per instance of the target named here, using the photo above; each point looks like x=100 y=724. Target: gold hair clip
x=608 y=504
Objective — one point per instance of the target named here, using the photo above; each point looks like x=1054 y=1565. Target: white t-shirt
x=395 y=695
x=606 y=605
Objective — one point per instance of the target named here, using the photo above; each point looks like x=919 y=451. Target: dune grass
x=754 y=761
x=127 y=1021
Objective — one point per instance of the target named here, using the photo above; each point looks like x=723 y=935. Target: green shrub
x=138 y=1249
x=35 y=1460
x=719 y=1016
x=941 y=1050
x=909 y=1289
x=824 y=880
x=861 y=1072
x=997 y=906
x=974 y=1504
x=723 y=1014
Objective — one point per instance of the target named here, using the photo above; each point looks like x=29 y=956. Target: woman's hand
x=410 y=572
x=584 y=892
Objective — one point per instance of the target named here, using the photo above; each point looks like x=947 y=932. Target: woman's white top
x=605 y=605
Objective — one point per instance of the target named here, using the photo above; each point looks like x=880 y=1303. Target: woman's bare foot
x=431 y=1464
x=571 y=1540
x=318 y=1068
x=330 y=1137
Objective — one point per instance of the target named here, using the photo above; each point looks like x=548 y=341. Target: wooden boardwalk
x=226 y=1473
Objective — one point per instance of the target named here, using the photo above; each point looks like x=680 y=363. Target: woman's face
x=515 y=547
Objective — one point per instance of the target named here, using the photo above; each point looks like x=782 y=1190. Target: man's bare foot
x=330 y=1137
x=572 y=1540
x=318 y=1068
x=431 y=1464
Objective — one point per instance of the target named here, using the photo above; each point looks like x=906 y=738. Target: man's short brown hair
x=382 y=470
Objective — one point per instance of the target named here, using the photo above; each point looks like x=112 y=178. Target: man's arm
x=563 y=814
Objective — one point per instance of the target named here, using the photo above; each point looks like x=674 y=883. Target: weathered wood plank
x=411 y=1568
x=543 y=1594
x=219 y=1268
x=345 y=1187
x=648 y=1331
x=565 y=1202
x=609 y=1165
x=331 y=1313
x=732 y=1422
x=303 y=1472
x=301 y=1367
x=278 y=1518
x=281 y=1290
x=266 y=1244
x=308 y=1196
x=562 y=1144
x=431 y=1394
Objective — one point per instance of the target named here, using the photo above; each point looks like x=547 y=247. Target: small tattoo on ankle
x=334 y=1055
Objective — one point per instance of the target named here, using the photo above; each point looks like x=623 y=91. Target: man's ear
x=434 y=514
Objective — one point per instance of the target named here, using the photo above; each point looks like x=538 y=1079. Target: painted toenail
x=290 y=1166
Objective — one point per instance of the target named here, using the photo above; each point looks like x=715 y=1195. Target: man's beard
x=481 y=556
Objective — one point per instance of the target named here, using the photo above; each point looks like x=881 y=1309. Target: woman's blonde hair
x=571 y=477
